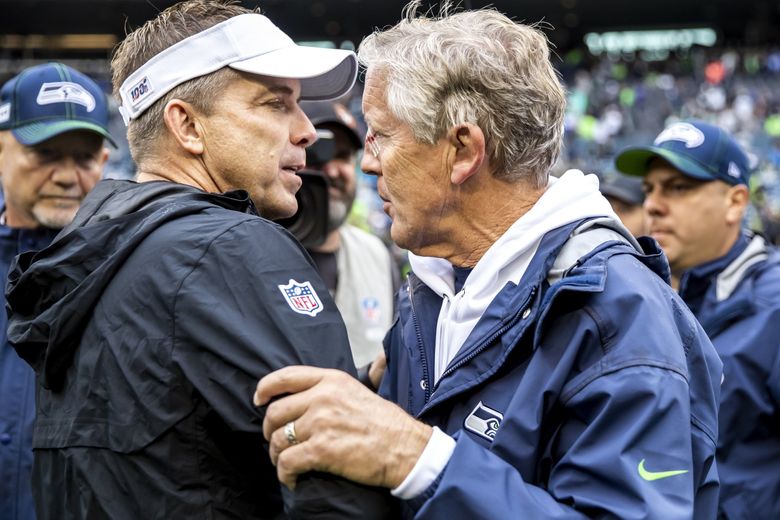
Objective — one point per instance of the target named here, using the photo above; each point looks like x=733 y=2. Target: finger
x=287 y=380
x=279 y=441
x=284 y=410
x=294 y=461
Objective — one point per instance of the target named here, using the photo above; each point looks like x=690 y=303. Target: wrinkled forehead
x=374 y=103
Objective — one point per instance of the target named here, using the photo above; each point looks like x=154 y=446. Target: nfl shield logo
x=301 y=297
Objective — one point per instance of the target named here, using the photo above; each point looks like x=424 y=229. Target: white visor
x=250 y=43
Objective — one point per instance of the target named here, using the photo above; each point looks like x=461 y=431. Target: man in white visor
x=152 y=316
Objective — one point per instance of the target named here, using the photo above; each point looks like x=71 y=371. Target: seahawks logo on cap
x=484 y=421
x=734 y=170
x=684 y=132
x=5 y=112
x=65 y=92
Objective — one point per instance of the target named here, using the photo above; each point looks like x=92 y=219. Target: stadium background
x=629 y=68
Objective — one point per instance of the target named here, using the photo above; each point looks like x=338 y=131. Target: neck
x=13 y=220
x=485 y=214
x=182 y=170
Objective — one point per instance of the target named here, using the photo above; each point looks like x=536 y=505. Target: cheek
x=90 y=178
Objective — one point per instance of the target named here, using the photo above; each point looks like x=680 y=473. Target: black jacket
x=148 y=322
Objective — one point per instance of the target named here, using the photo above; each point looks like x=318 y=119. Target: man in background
x=625 y=195
x=355 y=265
x=53 y=123
x=696 y=184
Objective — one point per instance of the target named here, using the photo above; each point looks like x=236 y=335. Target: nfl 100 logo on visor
x=140 y=90
x=301 y=297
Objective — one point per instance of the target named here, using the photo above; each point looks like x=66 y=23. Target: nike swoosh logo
x=657 y=475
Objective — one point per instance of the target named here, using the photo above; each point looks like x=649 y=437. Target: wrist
x=407 y=451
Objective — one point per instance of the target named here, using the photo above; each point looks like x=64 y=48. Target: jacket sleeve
x=621 y=447
x=234 y=324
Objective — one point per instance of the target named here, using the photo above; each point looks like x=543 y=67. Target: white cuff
x=431 y=462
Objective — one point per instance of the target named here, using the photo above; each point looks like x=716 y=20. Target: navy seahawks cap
x=329 y=112
x=46 y=100
x=697 y=149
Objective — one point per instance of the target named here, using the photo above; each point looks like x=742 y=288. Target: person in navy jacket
x=540 y=365
x=696 y=180
x=53 y=125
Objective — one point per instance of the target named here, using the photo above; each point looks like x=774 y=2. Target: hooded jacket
x=737 y=300
x=583 y=388
x=148 y=322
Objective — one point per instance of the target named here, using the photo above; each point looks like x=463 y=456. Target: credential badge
x=301 y=297
x=484 y=421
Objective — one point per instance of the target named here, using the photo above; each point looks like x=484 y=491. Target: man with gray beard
x=53 y=124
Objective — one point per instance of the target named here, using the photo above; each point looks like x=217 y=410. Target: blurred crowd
x=619 y=100
x=616 y=100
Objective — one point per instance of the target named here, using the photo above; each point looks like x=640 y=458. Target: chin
x=54 y=218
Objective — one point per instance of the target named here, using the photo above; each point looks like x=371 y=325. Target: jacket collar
x=522 y=308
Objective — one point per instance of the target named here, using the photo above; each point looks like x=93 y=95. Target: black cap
x=329 y=112
x=622 y=187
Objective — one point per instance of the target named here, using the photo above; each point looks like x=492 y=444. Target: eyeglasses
x=372 y=144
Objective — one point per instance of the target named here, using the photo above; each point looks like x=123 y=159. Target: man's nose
x=65 y=171
x=654 y=204
x=302 y=132
x=370 y=164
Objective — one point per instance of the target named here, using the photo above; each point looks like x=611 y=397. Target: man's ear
x=737 y=199
x=182 y=121
x=104 y=153
x=469 y=143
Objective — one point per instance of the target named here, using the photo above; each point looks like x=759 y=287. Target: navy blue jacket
x=737 y=300
x=17 y=393
x=589 y=395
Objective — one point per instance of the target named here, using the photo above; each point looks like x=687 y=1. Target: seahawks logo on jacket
x=484 y=421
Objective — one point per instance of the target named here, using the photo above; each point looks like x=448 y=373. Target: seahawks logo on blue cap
x=683 y=132
x=65 y=92
x=5 y=112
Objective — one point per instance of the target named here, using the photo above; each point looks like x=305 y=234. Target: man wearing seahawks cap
x=152 y=316
x=53 y=122
x=696 y=185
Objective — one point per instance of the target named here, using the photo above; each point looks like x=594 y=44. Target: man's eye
x=45 y=154
x=679 y=187
x=278 y=104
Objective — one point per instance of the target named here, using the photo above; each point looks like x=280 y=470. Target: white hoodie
x=574 y=196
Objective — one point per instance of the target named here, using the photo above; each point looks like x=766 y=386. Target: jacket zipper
x=420 y=346
x=491 y=338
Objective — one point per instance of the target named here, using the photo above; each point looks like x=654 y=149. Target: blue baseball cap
x=699 y=150
x=622 y=187
x=46 y=100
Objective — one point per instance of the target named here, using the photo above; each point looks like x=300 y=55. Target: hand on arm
x=341 y=427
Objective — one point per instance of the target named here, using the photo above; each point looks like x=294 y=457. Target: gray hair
x=475 y=67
